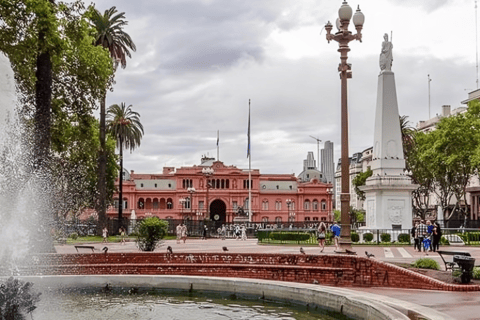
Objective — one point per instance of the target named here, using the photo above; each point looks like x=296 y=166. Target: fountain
x=25 y=229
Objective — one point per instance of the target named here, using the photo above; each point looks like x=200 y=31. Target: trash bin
x=464 y=272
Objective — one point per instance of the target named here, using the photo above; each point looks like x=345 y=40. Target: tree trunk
x=120 y=185
x=102 y=165
x=43 y=100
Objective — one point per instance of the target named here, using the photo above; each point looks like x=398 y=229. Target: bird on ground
x=315 y=281
x=169 y=249
x=369 y=255
x=224 y=249
x=105 y=249
x=302 y=251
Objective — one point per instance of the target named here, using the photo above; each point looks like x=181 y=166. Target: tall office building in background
x=328 y=164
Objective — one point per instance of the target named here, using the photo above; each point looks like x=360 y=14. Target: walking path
x=459 y=305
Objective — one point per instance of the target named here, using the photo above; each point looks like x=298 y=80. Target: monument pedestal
x=388 y=202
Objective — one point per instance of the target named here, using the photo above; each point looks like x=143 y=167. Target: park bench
x=85 y=247
x=450 y=264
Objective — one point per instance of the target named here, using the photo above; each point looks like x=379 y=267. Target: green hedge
x=476 y=273
x=426 y=263
x=404 y=237
x=289 y=236
x=367 y=237
x=385 y=237
x=355 y=237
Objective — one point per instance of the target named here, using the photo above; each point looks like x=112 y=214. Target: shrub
x=355 y=237
x=17 y=299
x=150 y=232
x=404 y=237
x=426 y=263
x=444 y=241
x=368 y=237
x=476 y=273
x=289 y=236
x=74 y=235
x=385 y=237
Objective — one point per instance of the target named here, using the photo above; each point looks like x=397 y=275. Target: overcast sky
x=198 y=62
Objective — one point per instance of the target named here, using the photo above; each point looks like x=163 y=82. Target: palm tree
x=110 y=35
x=124 y=124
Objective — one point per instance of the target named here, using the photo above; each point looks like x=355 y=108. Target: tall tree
x=124 y=124
x=111 y=36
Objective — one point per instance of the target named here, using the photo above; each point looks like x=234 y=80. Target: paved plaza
x=459 y=305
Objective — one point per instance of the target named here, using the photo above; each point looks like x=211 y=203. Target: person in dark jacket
x=436 y=236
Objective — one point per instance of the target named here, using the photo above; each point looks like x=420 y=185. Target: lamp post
x=207 y=172
x=191 y=190
x=182 y=203
x=343 y=37
x=291 y=215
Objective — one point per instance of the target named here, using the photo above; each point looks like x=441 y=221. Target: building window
x=115 y=203
x=245 y=204
x=278 y=220
x=141 y=185
x=169 y=203
x=324 y=205
x=291 y=187
x=278 y=205
x=169 y=185
x=278 y=187
x=315 y=218
x=307 y=218
x=155 y=185
x=265 y=219
x=125 y=204
x=187 y=183
x=246 y=185
x=200 y=205
x=155 y=204
x=265 y=205
x=324 y=219
x=306 y=205
x=141 y=204
x=315 y=205
x=234 y=205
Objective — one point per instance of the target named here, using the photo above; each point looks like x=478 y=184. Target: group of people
x=426 y=236
x=182 y=233
x=122 y=232
x=322 y=231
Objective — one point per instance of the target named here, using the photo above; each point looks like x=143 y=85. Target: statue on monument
x=386 y=56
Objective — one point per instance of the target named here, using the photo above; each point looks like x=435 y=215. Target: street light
x=291 y=215
x=343 y=37
x=191 y=190
x=182 y=203
x=207 y=172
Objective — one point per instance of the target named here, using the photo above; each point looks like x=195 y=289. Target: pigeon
x=315 y=281
x=225 y=249
x=369 y=255
x=169 y=249
x=302 y=251
x=105 y=249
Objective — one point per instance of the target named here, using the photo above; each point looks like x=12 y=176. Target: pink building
x=183 y=194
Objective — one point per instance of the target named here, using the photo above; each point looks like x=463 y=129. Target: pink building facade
x=185 y=193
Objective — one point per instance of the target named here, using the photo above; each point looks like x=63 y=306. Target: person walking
x=105 y=235
x=178 y=231
x=205 y=230
x=244 y=233
x=422 y=234
x=335 y=228
x=237 y=232
x=184 y=232
x=122 y=235
x=322 y=229
x=437 y=235
x=416 y=243
x=224 y=232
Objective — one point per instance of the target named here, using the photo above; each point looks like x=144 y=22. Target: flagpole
x=218 y=145
x=249 y=169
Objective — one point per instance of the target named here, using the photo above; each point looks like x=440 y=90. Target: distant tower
x=310 y=162
x=310 y=170
x=328 y=165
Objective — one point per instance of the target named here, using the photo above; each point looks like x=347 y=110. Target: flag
x=248 y=133
x=218 y=137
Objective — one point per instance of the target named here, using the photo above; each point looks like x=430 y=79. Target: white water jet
x=23 y=192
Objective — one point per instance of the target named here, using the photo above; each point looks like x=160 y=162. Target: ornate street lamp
x=343 y=37
x=291 y=215
x=207 y=172
x=191 y=190
x=182 y=203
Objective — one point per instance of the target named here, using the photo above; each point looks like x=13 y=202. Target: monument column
x=388 y=190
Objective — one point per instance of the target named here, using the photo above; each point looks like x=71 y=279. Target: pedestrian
x=178 y=231
x=437 y=235
x=122 y=235
x=244 y=233
x=224 y=232
x=421 y=234
x=237 y=232
x=184 y=232
x=205 y=230
x=335 y=228
x=413 y=232
x=322 y=229
x=105 y=235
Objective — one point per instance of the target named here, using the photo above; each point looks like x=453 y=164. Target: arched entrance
x=218 y=213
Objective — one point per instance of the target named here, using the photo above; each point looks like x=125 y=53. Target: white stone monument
x=388 y=191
